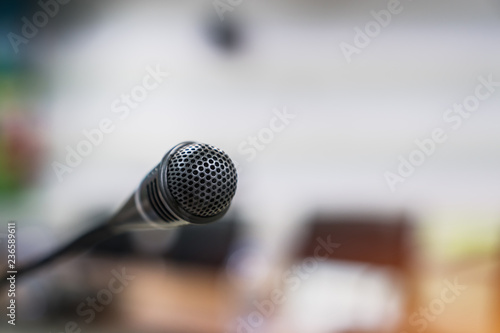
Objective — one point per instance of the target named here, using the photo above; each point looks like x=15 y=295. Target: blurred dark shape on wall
x=225 y=35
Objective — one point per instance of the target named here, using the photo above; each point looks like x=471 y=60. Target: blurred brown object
x=21 y=150
x=382 y=241
x=374 y=240
x=178 y=299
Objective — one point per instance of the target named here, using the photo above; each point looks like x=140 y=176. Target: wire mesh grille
x=202 y=179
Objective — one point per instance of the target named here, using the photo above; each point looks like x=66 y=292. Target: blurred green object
x=9 y=181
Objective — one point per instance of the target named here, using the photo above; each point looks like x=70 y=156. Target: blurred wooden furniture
x=382 y=241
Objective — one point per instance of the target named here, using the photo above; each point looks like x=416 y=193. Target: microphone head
x=201 y=179
x=194 y=183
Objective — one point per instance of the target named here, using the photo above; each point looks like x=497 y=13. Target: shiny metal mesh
x=202 y=179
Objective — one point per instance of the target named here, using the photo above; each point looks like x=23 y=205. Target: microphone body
x=193 y=184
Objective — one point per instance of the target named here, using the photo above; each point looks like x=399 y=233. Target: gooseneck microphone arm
x=193 y=184
x=79 y=245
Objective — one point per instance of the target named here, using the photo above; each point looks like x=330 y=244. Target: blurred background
x=94 y=93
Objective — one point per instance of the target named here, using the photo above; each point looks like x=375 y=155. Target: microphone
x=193 y=184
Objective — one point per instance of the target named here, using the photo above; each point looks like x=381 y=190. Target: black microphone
x=193 y=184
